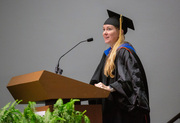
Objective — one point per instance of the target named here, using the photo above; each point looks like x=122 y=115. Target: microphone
x=59 y=70
x=89 y=39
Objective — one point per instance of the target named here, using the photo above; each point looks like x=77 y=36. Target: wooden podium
x=46 y=86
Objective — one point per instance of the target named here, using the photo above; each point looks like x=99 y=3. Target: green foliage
x=9 y=113
x=63 y=113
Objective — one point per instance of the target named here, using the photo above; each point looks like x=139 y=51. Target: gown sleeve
x=98 y=74
x=130 y=85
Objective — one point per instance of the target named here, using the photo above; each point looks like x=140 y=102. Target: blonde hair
x=109 y=65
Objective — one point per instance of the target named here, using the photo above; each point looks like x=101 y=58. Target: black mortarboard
x=114 y=20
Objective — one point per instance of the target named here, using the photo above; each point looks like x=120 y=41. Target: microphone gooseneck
x=59 y=70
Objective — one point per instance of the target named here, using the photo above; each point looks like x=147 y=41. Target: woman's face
x=110 y=34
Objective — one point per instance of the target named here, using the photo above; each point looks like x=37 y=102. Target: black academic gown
x=129 y=103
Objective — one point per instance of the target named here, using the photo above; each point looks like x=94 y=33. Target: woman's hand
x=101 y=85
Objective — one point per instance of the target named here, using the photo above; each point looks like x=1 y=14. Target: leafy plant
x=63 y=113
x=9 y=113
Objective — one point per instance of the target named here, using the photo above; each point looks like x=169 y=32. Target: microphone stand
x=59 y=70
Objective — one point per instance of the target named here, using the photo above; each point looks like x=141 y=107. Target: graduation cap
x=114 y=20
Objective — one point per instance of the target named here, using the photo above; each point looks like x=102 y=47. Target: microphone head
x=89 y=39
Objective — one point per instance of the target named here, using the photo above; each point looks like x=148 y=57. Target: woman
x=121 y=72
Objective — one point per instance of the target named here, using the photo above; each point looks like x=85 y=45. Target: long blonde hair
x=109 y=65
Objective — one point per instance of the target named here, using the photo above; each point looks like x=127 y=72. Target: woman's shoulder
x=125 y=53
x=127 y=46
x=123 y=50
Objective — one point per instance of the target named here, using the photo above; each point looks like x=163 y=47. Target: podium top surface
x=44 y=85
